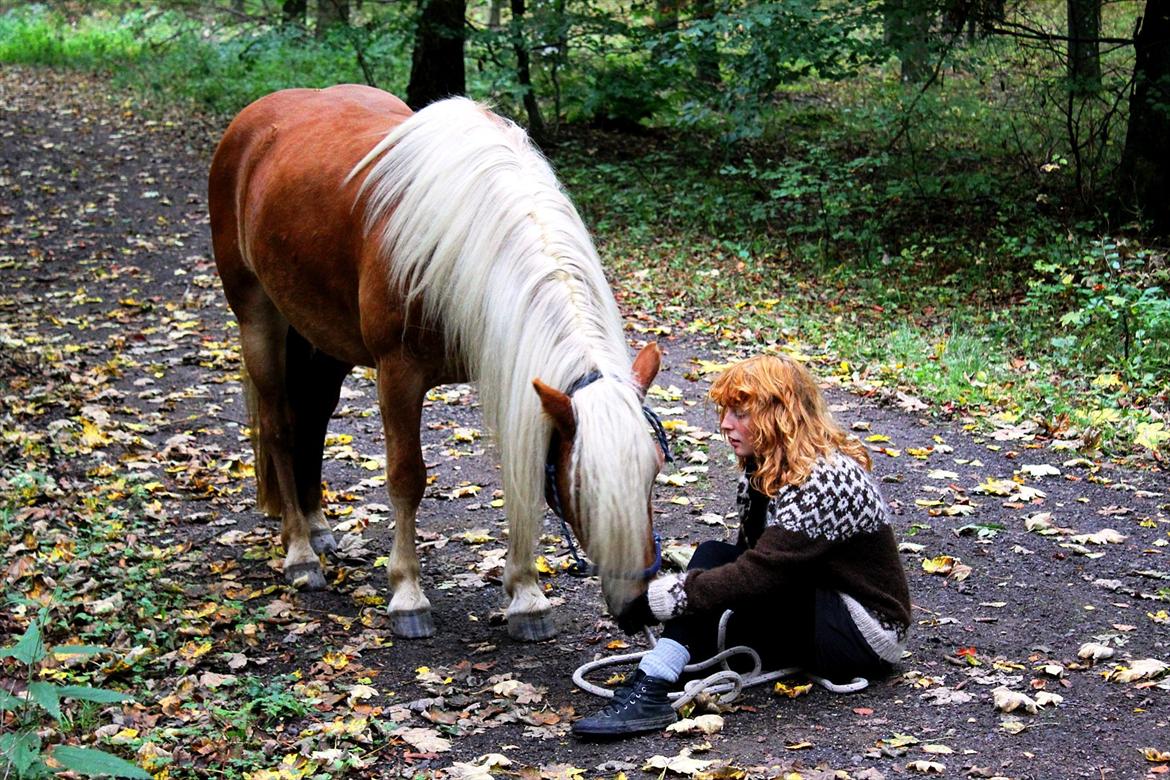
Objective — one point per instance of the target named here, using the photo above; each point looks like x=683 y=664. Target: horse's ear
x=559 y=407
x=646 y=366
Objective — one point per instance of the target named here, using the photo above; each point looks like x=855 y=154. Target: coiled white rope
x=726 y=683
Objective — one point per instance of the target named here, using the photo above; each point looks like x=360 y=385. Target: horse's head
x=603 y=457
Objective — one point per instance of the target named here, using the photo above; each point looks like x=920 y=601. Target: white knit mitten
x=667 y=596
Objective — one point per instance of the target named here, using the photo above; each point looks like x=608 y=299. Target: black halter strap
x=580 y=567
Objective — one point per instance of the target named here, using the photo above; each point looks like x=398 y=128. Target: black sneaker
x=643 y=706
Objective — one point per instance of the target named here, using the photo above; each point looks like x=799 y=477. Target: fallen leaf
x=1038 y=470
x=682 y=764
x=424 y=740
x=926 y=767
x=705 y=724
x=942 y=564
x=1155 y=755
x=791 y=691
x=1095 y=651
x=1144 y=669
x=1007 y=700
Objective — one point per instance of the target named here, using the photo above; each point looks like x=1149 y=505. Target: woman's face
x=736 y=427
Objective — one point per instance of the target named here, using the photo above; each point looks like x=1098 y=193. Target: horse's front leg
x=400 y=395
x=529 y=612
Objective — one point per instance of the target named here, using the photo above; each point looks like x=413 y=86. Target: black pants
x=807 y=627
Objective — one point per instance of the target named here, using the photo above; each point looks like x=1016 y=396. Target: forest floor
x=126 y=509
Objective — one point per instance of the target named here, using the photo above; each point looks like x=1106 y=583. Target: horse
x=435 y=246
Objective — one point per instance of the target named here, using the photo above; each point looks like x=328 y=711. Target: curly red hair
x=790 y=421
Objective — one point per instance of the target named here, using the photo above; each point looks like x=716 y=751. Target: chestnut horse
x=436 y=247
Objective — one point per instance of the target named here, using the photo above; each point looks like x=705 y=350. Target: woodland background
x=953 y=210
x=977 y=186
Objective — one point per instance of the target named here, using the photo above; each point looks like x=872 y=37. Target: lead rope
x=726 y=683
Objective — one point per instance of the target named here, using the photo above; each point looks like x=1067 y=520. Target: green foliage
x=761 y=46
x=220 y=69
x=35 y=35
x=1111 y=309
x=22 y=749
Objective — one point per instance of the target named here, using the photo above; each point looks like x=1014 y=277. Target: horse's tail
x=267 y=490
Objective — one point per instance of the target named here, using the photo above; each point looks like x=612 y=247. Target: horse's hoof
x=305 y=576
x=415 y=624
x=323 y=543
x=532 y=626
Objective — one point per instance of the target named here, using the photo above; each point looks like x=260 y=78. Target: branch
x=1012 y=30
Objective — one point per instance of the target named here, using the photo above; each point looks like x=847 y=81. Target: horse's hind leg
x=313 y=382
x=263 y=338
x=400 y=395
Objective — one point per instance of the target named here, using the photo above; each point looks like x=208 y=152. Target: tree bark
x=436 y=68
x=330 y=13
x=1084 y=55
x=524 y=73
x=294 y=11
x=1144 y=173
x=494 y=12
x=907 y=31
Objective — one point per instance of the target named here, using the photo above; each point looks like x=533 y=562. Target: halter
x=579 y=567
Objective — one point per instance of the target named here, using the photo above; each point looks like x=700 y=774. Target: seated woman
x=814 y=579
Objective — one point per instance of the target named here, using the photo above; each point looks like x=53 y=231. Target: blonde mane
x=475 y=229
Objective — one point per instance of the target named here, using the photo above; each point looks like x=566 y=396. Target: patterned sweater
x=831 y=531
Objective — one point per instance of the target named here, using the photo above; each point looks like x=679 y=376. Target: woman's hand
x=667 y=596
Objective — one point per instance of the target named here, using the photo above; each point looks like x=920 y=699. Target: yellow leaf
x=997 y=487
x=1106 y=380
x=1151 y=435
x=542 y=565
x=476 y=536
x=193 y=650
x=878 y=437
x=336 y=660
x=710 y=367
x=942 y=564
x=1155 y=755
x=92 y=436
x=791 y=691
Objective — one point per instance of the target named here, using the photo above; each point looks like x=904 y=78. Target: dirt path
x=113 y=331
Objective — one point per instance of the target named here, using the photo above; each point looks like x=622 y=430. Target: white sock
x=665 y=660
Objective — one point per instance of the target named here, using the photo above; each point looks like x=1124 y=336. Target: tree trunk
x=330 y=13
x=436 y=67
x=1084 y=56
x=524 y=73
x=294 y=11
x=1144 y=174
x=907 y=31
x=496 y=9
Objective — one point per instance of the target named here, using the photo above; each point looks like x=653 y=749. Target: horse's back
x=283 y=215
